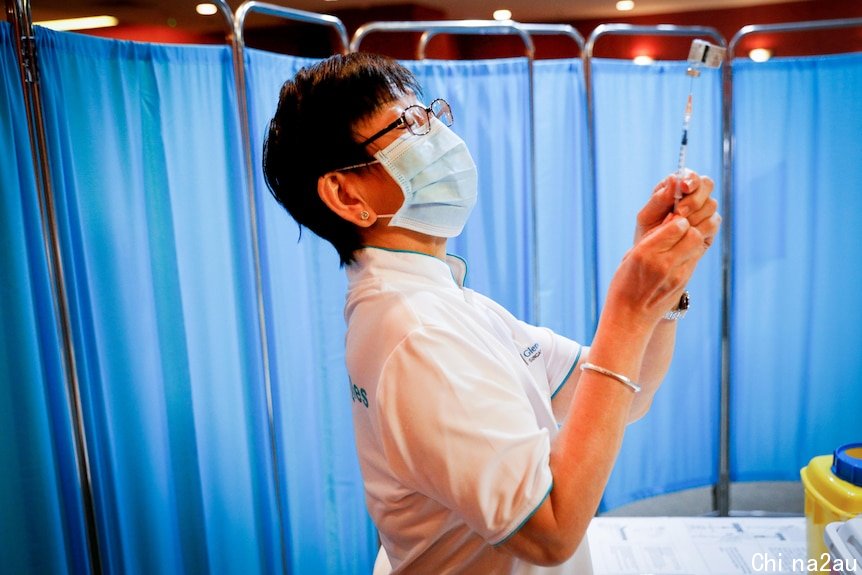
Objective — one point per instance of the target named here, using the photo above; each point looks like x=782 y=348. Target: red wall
x=308 y=40
x=727 y=22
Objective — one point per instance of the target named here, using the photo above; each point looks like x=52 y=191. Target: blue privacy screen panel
x=797 y=314
x=147 y=166
x=42 y=528
x=638 y=118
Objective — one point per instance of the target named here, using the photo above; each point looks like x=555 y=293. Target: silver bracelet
x=613 y=375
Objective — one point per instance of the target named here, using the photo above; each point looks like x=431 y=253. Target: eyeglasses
x=417 y=119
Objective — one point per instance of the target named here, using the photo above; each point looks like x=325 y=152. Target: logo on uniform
x=358 y=394
x=531 y=353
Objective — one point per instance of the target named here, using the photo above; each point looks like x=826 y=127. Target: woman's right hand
x=654 y=273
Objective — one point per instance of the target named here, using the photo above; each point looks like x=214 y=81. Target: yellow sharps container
x=833 y=492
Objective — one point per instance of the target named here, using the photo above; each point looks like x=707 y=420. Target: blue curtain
x=797 y=316
x=41 y=530
x=147 y=166
x=329 y=528
x=153 y=217
x=638 y=119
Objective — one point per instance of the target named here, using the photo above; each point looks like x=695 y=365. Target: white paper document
x=698 y=545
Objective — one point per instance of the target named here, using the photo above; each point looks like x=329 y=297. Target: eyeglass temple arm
x=391 y=126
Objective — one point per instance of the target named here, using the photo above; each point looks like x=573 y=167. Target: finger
x=709 y=207
x=691 y=245
x=689 y=181
x=659 y=204
x=664 y=237
x=663 y=183
x=699 y=191
x=709 y=229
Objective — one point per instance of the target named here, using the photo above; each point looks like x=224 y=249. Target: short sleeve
x=456 y=427
x=559 y=353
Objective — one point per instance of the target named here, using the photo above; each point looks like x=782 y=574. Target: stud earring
x=363 y=215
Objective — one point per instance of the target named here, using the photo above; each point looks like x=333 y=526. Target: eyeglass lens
x=441 y=109
x=418 y=121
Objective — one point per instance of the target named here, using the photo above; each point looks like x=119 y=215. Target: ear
x=341 y=196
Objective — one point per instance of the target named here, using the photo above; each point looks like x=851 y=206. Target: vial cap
x=847 y=463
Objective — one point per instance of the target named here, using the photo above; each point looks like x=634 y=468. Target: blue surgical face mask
x=438 y=178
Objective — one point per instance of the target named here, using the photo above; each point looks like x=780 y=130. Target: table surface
x=698 y=545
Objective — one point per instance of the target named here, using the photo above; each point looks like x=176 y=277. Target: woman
x=485 y=443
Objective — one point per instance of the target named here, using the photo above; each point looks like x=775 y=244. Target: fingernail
x=684 y=211
x=682 y=223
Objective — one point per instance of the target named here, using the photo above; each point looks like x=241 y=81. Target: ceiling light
x=502 y=14
x=87 y=23
x=760 y=54
x=206 y=9
x=625 y=5
x=643 y=60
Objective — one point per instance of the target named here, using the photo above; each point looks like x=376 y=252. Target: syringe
x=683 y=146
x=701 y=54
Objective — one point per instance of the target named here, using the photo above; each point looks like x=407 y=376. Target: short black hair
x=312 y=133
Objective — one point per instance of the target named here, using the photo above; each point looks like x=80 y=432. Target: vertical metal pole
x=721 y=494
x=591 y=249
x=537 y=306
x=242 y=100
x=18 y=12
x=238 y=43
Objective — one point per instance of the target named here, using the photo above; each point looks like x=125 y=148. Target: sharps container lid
x=847 y=463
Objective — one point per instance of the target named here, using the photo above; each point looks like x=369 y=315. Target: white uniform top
x=452 y=414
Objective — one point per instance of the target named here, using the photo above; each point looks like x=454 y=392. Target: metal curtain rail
x=791 y=27
x=721 y=491
x=487 y=28
x=18 y=12
x=238 y=40
x=531 y=29
x=250 y=6
x=476 y=27
x=554 y=30
x=722 y=503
